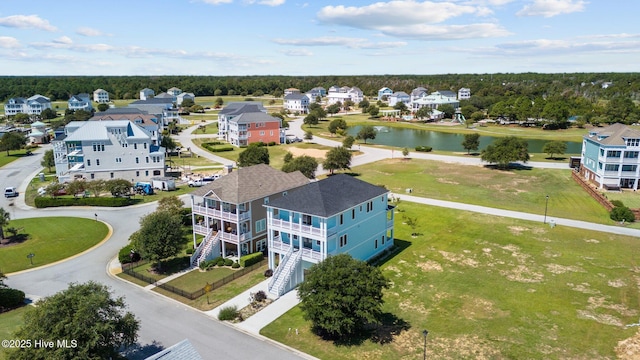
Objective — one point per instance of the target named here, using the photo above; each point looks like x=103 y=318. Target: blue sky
x=335 y=37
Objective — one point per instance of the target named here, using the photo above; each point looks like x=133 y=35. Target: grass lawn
x=14 y=155
x=519 y=190
x=276 y=153
x=494 y=288
x=219 y=295
x=10 y=322
x=210 y=100
x=50 y=239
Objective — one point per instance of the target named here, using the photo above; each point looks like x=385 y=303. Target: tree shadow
x=389 y=327
x=511 y=166
x=14 y=240
x=351 y=173
x=555 y=158
x=140 y=352
x=399 y=246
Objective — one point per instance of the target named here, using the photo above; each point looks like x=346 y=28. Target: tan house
x=229 y=213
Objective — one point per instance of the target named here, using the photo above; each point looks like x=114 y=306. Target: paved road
x=164 y=322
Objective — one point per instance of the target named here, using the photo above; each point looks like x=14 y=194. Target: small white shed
x=163 y=183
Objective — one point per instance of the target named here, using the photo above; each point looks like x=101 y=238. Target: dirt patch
x=593 y=241
x=314 y=153
x=583 y=288
x=517 y=230
x=430 y=266
x=459 y=259
x=463 y=347
x=618 y=283
x=478 y=308
x=522 y=274
x=604 y=319
x=447 y=181
x=629 y=349
x=561 y=269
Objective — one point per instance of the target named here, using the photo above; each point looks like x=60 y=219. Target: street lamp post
x=546 y=205
x=425 y=333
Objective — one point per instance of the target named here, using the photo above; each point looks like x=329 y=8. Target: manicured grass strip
x=196 y=280
x=221 y=294
x=9 y=323
x=491 y=287
x=519 y=190
x=50 y=239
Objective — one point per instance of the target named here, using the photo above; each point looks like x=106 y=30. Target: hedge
x=251 y=259
x=424 y=148
x=44 y=202
x=10 y=298
x=217 y=146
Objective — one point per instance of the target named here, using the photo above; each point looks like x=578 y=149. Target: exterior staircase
x=284 y=271
x=205 y=248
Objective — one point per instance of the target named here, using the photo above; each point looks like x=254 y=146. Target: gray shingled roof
x=329 y=196
x=254 y=117
x=180 y=351
x=250 y=183
x=242 y=107
x=615 y=135
x=294 y=96
x=155 y=100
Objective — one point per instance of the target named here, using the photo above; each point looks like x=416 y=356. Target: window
x=137 y=173
x=382 y=239
x=261 y=133
x=629 y=168
x=146 y=173
x=376 y=244
x=145 y=145
x=341 y=219
x=266 y=200
x=613 y=153
x=271 y=132
x=88 y=162
x=97 y=162
x=97 y=146
x=111 y=175
x=135 y=146
x=118 y=160
x=611 y=167
x=633 y=142
x=156 y=172
x=343 y=240
x=370 y=206
x=93 y=176
x=353 y=213
x=137 y=160
x=306 y=219
x=261 y=225
x=147 y=159
x=631 y=154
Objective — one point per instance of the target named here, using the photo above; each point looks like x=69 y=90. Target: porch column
x=193 y=222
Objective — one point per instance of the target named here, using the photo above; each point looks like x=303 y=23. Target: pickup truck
x=195 y=182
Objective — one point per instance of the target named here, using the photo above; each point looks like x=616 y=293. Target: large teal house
x=339 y=214
x=609 y=157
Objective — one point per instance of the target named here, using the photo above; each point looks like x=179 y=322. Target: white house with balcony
x=81 y=101
x=610 y=157
x=229 y=217
x=117 y=149
x=297 y=103
x=464 y=94
x=339 y=214
x=146 y=94
x=435 y=100
x=31 y=106
x=101 y=96
x=344 y=93
x=385 y=91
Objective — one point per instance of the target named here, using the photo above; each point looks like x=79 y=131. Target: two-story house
x=101 y=96
x=316 y=92
x=15 y=105
x=399 y=97
x=435 y=100
x=339 y=214
x=234 y=109
x=81 y=101
x=418 y=93
x=384 y=93
x=464 y=94
x=160 y=106
x=610 y=158
x=229 y=214
x=117 y=149
x=297 y=103
x=146 y=94
x=32 y=106
x=254 y=127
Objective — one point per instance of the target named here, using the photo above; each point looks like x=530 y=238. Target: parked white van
x=10 y=192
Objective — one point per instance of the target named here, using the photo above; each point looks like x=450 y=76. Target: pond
x=411 y=138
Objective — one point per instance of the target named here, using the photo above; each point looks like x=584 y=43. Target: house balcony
x=231 y=237
x=222 y=215
x=308 y=255
x=302 y=229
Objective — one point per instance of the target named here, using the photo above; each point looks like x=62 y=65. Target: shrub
x=251 y=259
x=268 y=273
x=44 y=202
x=272 y=143
x=617 y=203
x=217 y=146
x=203 y=265
x=260 y=296
x=189 y=251
x=621 y=213
x=235 y=265
x=228 y=313
x=228 y=262
x=220 y=262
x=125 y=257
x=424 y=148
x=10 y=298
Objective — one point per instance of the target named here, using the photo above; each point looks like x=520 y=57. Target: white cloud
x=27 y=22
x=87 y=31
x=352 y=43
x=217 y=2
x=9 y=42
x=63 y=40
x=266 y=2
x=393 y=13
x=297 y=52
x=447 y=32
x=550 y=8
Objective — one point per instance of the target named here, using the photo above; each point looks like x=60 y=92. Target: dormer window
x=632 y=142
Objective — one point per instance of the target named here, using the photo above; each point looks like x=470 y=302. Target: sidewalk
x=264 y=317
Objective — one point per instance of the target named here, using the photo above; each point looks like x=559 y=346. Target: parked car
x=10 y=192
x=195 y=183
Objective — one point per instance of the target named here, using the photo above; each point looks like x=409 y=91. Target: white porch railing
x=219 y=214
x=302 y=229
x=289 y=266
x=307 y=254
x=205 y=248
x=278 y=270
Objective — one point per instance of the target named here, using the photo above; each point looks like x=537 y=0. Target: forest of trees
x=554 y=97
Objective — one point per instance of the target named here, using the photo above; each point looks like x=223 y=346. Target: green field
x=9 y=323
x=50 y=239
x=493 y=288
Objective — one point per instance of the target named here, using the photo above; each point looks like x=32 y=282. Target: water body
x=411 y=138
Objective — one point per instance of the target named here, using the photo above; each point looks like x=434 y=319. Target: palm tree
x=4 y=221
